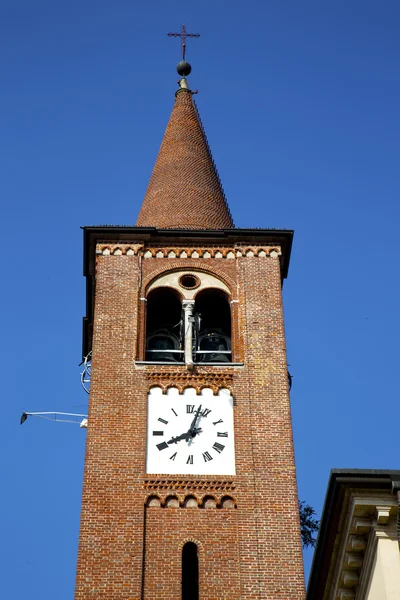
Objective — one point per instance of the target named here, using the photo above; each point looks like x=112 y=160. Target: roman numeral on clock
x=205 y=412
x=163 y=421
x=162 y=446
x=207 y=456
x=190 y=408
x=158 y=433
x=222 y=434
x=220 y=421
x=173 y=457
x=218 y=447
x=190 y=459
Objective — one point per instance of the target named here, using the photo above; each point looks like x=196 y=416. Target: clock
x=190 y=433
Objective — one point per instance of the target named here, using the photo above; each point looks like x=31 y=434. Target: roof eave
x=340 y=480
x=103 y=234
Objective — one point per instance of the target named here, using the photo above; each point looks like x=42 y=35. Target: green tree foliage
x=308 y=524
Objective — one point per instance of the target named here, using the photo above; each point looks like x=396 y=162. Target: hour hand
x=185 y=436
x=178 y=438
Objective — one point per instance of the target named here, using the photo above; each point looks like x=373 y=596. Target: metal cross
x=183 y=35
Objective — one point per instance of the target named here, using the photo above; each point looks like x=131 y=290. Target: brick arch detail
x=190 y=538
x=227 y=497
x=171 y=497
x=154 y=386
x=171 y=386
x=213 y=386
x=182 y=499
x=166 y=287
x=189 y=496
x=209 y=497
x=199 y=385
x=150 y=497
x=210 y=269
x=228 y=297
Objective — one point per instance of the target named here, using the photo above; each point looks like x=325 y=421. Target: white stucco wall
x=384 y=582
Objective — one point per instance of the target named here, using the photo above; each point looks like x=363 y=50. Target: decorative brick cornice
x=185 y=379
x=174 y=252
x=183 y=484
x=118 y=249
x=190 y=493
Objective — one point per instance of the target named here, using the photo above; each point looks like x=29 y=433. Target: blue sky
x=300 y=104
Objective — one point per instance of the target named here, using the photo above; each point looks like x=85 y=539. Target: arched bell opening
x=190 y=572
x=213 y=327
x=163 y=326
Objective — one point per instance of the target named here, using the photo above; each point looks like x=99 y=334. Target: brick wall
x=130 y=552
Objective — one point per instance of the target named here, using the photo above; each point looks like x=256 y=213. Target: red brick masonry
x=184 y=190
x=128 y=551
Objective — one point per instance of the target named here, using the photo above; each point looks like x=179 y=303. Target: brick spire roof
x=185 y=191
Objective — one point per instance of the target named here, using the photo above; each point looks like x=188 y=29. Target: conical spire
x=185 y=191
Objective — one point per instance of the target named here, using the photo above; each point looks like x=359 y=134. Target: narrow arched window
x=190 y=572
x=163 y=326
x=213 y=327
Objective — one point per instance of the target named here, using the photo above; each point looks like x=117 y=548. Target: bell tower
x=189 y=484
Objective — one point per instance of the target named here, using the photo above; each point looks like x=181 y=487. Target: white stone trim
x=382 y=514
x=171 y=279
x=366 y=517
x=377 y=533
x=135 y=249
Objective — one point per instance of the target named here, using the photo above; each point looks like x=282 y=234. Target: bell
x=216 y=346
x=158 y=346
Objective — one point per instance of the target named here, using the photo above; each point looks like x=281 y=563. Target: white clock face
x=190 y=433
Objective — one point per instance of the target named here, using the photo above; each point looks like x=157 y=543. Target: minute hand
x=193 y=425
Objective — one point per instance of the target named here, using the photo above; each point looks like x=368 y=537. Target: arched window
x=188 y=320
x=213 y=342
x=163 y=327
x=190 y=572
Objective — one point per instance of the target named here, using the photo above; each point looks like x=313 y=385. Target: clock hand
x=177 y=438
x=196 y=416
x=191 y=433
x=196 y=431
x=185 y=436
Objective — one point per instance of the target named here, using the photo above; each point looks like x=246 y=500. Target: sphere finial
x=184 y=68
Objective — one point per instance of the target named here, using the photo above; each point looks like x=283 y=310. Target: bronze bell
x=216 y=346
x=160 y=346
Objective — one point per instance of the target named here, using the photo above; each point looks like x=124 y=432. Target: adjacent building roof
x=185 y=191
x=355 y=500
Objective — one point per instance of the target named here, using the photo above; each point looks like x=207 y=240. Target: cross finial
x=183 y=35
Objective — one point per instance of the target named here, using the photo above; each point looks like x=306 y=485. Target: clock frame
x=174 y=448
